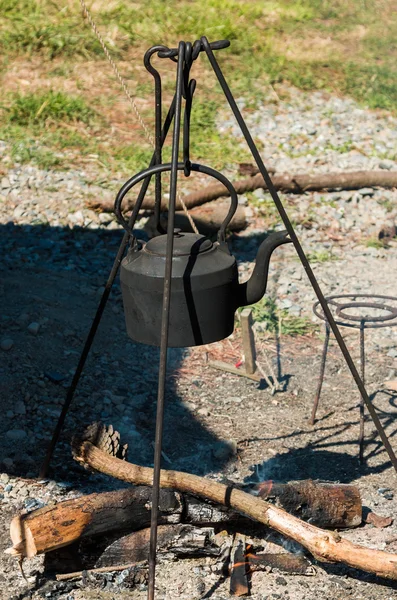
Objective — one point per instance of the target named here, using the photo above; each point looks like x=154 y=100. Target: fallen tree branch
x=285 y=182
x=325 y=546
x=298 y=184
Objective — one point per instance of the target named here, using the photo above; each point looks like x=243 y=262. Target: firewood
x=327 y=505
x=56 y=526
x=61 y=524
x=285 y=182
x=292 y=564
x=177 y=540
x=239 y=584
x=326 y=546
x=307 y=499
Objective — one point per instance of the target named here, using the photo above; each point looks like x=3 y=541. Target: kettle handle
x=167 y=167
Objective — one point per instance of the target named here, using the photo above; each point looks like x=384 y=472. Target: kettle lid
x=185 y=244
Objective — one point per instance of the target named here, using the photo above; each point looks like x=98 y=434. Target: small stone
x=8 y=463
x=20 y=408
x=4 y=478
x=30 y=503
x=8 y=488
x=23 y=319
x=54 y=376
x=392 y=353
x=224 y=450
x=204 y=412
x=386 y=493
x=365 y=192
x=105 y=218
x=234 y=399
x=286 y=303
x=33 y=328
x=190 y=405
x=295 y=310
x=16 y=435
x=10 y=414
x=386 y=164
x=23 y=492
x=6 y=344
x=18 y=212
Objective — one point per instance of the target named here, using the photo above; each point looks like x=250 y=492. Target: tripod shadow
x=53 y=277
x=329 y=457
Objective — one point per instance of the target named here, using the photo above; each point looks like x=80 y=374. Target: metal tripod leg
x=362 y=406
x=165 y=324
x=101 y=308
x=302 y=256
x=321 y=376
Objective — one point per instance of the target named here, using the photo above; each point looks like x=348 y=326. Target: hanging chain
x=123 y=84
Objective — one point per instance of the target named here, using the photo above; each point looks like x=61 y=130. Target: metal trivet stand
x=354 y=321
x=184 y=57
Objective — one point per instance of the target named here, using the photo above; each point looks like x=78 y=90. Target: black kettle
x=205 y=290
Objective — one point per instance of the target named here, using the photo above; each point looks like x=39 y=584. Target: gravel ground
x=55 y=259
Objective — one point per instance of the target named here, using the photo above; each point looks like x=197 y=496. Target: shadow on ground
x=53 y=276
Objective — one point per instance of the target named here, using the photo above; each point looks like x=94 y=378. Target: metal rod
x=165 y=323
x=299 y=249
x=158 y=132
x=100 y=309
x=362 y=406
x=321 y=376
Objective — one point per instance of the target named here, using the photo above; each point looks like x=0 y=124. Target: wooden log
x=326 y=505
x=178 y=540
x=292 y=564
x=56 y=526
x=285 y=182
x=326 y=546
x=61 y=524
x=247 y=335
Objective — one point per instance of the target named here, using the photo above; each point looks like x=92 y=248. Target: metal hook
x=158 y=144
x=186 y=127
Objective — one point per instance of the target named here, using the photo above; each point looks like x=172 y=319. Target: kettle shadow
x=54 y=276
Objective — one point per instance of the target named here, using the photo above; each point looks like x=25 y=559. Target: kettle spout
x=254 y=289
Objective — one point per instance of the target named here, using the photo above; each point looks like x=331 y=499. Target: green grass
x=321 y=256
x=44 y=27
x=256 y=29
x=266 y=311
x=341 y=46
x=37 y=109
x=39 y=127
x=376 y=243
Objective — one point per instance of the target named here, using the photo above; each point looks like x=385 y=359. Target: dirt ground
x=204 y=408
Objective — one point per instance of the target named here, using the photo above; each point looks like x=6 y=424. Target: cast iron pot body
x=203 y=291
